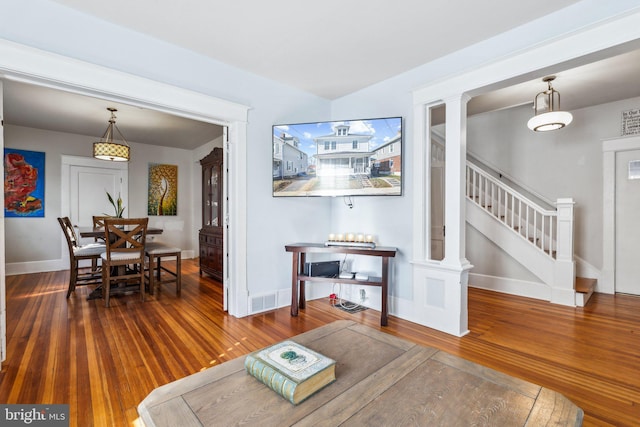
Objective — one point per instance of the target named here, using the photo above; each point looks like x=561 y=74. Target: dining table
x=98 y=232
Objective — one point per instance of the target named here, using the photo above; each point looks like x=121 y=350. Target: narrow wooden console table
x=300 y=251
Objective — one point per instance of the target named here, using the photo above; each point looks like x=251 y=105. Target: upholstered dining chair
x=159 y=273
x=79 y=252
x=123 y=261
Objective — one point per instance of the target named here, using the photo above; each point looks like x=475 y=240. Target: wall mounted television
x=338 y=158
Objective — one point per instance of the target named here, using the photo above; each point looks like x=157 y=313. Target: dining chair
x=98 y=222
x=155 y=252
x=77 y=252
x=123 y=260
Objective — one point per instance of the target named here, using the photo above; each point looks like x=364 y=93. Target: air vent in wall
x=263 y=303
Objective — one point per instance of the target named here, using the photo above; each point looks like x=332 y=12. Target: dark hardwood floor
x=104 y=361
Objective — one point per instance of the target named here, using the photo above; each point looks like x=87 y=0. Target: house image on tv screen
x=346 y=158
x=387 y=158
x=342 y=153
x=288 y=160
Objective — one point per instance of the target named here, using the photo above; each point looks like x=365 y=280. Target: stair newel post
x=564 y=238
x=565 y=274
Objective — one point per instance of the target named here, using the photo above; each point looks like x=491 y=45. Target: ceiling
x=45 y=108
x=330 y=48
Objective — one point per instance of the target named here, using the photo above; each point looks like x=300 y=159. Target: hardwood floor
x=104 y=361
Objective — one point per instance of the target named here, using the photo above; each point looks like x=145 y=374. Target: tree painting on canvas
x=163 y=190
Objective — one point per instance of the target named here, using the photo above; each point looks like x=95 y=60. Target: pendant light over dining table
x=548 y=115
x=107 y=148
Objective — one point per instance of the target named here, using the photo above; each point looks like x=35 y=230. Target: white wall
x=387 y=218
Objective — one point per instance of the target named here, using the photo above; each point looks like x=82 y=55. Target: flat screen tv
x=339 y=158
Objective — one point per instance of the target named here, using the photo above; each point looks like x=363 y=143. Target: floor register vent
x=263 y=302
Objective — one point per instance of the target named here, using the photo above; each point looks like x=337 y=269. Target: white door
x=627 y=222
x=85 y=183
x=88 y=193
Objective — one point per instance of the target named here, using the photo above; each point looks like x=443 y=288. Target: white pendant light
x=107 y=148
x=553 y=118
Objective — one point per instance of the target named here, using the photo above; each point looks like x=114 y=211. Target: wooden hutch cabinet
x=211 y=244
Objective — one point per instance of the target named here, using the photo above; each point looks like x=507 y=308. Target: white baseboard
x=190 y=254
x=12 y=269
x=506 y=285
x=35 y=267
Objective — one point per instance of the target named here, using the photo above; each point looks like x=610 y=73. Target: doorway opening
x=24 y=65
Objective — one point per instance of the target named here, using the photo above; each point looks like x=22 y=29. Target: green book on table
x=291 y=370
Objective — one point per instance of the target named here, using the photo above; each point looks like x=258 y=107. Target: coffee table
x=380 y=380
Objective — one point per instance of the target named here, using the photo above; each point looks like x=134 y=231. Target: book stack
x=291 y=370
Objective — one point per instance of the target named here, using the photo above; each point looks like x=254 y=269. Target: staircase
x=541 y=239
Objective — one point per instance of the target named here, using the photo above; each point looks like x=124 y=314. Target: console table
x=300 y=251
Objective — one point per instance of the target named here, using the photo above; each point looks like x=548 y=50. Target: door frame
x=607 y=282
x=33 y=66
x=68 y=162
x=3 y=295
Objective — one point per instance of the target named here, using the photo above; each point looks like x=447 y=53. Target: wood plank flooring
x=104 y=361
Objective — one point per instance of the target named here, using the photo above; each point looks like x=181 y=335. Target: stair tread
x=585 y=285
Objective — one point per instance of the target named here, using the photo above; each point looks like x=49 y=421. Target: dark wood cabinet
x=211 y=234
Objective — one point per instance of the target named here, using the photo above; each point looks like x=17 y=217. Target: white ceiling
x=330 y=48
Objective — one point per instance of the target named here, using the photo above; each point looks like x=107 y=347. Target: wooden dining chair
x=158 y=273
x=123 y=261
x=77 y=252
x=98 y=222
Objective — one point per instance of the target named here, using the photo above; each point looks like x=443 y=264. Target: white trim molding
x=607 y=283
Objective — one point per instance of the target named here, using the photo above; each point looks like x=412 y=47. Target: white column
x=440 y=287
x=456 y=159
